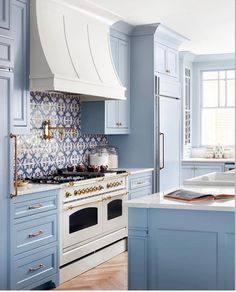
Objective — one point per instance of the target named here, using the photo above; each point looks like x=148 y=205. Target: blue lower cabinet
x=34 y=241
x=182 y=250
x=30 y=271
x=140 y=185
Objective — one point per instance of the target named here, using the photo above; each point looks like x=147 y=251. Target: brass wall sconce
x=48 y=130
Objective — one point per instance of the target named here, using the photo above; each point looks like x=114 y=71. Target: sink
x=214 y=178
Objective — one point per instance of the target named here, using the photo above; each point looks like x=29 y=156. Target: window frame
x=216 y=107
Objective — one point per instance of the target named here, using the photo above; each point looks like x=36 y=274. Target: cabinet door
x=161 y=58
x=169 y=143
x=137 y=260
x=21 y=99
x=6 y=82
x=112 y=106
x=124 y=77
x=205 y=169
x=5 y=6
x=172 y=62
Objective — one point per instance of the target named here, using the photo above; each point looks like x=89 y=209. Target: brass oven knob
x=108 y=186
x=75 y=193
x=94 y=189
x=87 y=190
x=83 y=191
x=68 y=194
x=90 y=190
x=101 y=188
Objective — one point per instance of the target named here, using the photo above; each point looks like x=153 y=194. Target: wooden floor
x=111 y=275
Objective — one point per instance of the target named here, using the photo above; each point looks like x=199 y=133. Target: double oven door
x=86 y=219
x=82 y=220
x=114 y=211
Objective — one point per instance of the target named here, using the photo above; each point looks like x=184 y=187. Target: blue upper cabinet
x=21 y=99
x=111 y=117
x=5 y=17
x=166 y=60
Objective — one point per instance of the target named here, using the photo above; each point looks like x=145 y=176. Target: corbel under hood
x=70 y=50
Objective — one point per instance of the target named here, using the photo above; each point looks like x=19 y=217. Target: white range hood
x=70 y=50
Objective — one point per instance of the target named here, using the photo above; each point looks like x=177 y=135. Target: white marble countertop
x=211 y=160
x=37 y=188
x=158 y=201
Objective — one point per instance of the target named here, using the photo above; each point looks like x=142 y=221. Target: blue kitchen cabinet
x=194 y=169
x=6 y=53
x=6 y=87
x=113 y=116
x=166 y=60
x=21 y=97
x=138 y=250
x=5 y=17
x=140 y=185
x=180 y=249
x=34 y=241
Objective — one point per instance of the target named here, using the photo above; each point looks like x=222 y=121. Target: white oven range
x=92 y=218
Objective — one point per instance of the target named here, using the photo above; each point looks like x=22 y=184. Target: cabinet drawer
x=140 y=182
x=140 y=193
x=34 y=268
x=32 y=204
x=6 y=52
x=34 y=232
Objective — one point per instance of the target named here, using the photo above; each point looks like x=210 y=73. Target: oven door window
x=114 y=209
x=83 y=218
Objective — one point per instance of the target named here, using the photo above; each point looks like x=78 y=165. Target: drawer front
x=34 y=204
x=6 y=52
x=34 y=233
x=137 y=182
x=34 y=268
x=140 y=193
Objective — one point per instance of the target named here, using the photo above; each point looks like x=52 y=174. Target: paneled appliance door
x=169 y=146
x=114 y=211
x=81 y=220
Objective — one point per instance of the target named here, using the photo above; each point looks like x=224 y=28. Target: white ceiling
x=209 y=24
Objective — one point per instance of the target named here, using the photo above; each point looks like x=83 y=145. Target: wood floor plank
x=111 y=275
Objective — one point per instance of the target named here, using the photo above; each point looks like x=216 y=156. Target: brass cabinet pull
x=15 y=193
x=40 y=232
x=34 y=269
x=35 y=206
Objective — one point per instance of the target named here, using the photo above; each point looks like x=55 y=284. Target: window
x=217 y=107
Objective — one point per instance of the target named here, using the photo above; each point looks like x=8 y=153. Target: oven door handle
x=118 y=195
x=71 y=207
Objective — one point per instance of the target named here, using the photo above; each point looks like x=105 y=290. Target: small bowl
x=70 y=168
x=80 y=168
x=103 y=168
x=93 y=168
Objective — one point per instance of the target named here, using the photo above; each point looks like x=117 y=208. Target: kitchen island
x=175 y=245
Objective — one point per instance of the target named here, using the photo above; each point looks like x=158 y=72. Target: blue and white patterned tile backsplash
x=37 y=156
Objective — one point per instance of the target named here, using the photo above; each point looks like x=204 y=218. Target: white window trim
x=201 y=71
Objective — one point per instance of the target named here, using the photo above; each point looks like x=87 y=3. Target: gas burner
x=63 y=176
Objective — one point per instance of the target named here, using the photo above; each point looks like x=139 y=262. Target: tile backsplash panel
x=37 y=156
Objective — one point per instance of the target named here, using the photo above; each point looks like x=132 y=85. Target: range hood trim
x=104 y=84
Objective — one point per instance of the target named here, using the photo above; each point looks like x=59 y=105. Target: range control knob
x=68 y=194
x=90 y=190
